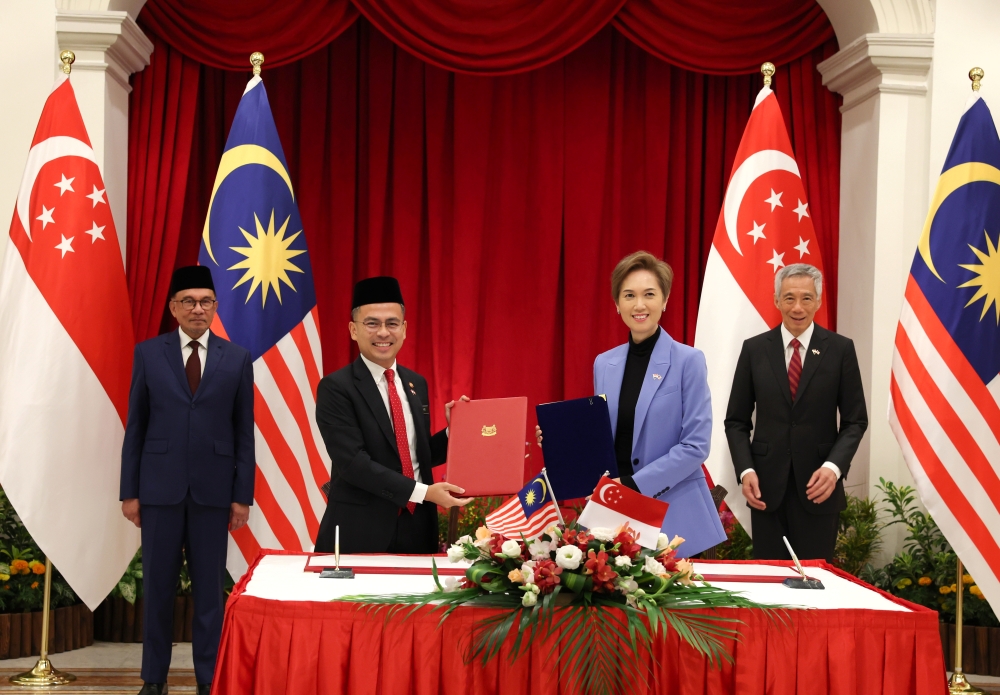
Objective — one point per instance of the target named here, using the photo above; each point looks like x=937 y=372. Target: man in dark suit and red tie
x=375 y=420
x=187 y=471
x=798 y=377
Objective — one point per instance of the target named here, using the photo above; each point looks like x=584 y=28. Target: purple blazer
x=673 y=429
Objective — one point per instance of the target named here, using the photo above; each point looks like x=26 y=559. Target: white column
x=883 y=200
x=109 y=47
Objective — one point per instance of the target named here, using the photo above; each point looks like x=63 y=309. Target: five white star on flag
x=97 y=196
x=95 y=233
x=758 y=231
x=803 y=247
x=801 y=210
x=776 y=260
x=46 y=216
x=66 y=245
x=774 y=200
x=65 y=185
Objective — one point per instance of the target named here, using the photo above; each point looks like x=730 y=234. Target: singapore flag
x=765 y=224
x=613 y=505
x=65 y=357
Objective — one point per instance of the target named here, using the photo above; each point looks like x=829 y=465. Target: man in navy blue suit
x=187 y=471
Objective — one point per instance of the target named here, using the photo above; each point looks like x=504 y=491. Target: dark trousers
x=813 y=536
x=416 y=534
x=202 y=532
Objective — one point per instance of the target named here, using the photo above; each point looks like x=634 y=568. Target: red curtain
x=720 y=37
x=742 y=36
x=501 y=203
x=223 y=34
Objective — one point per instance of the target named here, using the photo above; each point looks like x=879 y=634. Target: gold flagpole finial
x=67 y=58
x=256 y=59
x=767 y=69
x=976 y=75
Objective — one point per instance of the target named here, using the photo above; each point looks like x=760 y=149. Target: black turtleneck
x=635 y=374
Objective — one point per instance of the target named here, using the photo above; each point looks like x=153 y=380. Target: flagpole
x=552 y=492
x=44 y=673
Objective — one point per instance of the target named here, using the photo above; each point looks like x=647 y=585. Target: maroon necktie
x=399 y=424
x=794 y=367
x=193 y=367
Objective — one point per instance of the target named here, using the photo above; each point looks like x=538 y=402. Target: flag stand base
x=958 y=684
x=44 y=674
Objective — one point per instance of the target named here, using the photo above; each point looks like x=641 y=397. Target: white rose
x=623 y=561
x=540 y=549
x=653 y=567
x=602 y=534
x=529 y=599
x=528 y=573
x=662 y=542
x=568 y=557
x=511 y=548
x=456 y=553
x=451 y=584
x=627 y=585
x=464 y=540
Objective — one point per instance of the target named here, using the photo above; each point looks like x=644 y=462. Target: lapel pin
x=657 y=376
x=815 y=351
x=410 y=384
x=413 y=392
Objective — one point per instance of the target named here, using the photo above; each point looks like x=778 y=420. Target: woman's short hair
x=641 y=260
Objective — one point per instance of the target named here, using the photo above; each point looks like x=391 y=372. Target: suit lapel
x=659 y=364
x=213 y=357
x=172 y=353
x=417 y=412
x=366 y=385
x=614 y=372
x=811 y=364
x=776 y=356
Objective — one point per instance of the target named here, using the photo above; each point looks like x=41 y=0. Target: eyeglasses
x=188 y=303
x=373 y=325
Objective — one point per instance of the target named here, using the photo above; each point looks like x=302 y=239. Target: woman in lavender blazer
x=660 y=406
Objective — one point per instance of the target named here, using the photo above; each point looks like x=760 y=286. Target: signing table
x=285 y=633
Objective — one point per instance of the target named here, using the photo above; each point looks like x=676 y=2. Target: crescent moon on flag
x=752 y=168
x=951 y=181
x=600 y=495
x=542 y=483
x=40 y=155
x=231 y=161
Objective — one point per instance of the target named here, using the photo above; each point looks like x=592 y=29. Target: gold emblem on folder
x=489 y=430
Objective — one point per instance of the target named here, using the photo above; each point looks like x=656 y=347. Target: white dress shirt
x=186 y=348
x=804 y=340
x=378 y=374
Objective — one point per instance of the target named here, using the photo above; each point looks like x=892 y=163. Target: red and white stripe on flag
x=947 y=421
x=613 y=505
x=292 y=462
x=66 y=357
x=765 y=224
x=510 y=521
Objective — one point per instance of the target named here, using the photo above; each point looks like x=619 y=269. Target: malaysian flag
x=254 y=245
x=945 y=390
x=528 y=513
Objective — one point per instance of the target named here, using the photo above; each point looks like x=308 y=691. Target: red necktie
x=193 y=367
x=399 y=424
x=794 y=367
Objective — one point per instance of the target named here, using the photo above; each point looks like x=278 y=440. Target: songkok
x=378 y=290
x=191 y=277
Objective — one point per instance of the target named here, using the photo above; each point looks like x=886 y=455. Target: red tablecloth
x=298 y=647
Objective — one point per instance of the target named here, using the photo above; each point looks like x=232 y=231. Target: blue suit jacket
x=176 y=442
x=673 y=428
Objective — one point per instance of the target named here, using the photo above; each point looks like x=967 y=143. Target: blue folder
x=577 y=445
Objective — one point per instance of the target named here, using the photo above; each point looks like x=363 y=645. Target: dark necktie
x=193 y=367
x=794 y=367
x=399 y=424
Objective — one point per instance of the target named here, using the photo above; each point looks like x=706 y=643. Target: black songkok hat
x=191 y=277
x=379 y=290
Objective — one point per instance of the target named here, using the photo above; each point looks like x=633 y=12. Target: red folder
x=486 y=446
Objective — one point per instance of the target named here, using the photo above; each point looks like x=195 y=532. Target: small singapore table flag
x=613 y=505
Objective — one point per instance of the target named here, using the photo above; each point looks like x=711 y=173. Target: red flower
x=496 y=540
x=668 y=560
x=627 y=544
x=603 y=574
x=547 y=575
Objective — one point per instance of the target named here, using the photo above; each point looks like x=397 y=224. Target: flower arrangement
x=615 y=597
